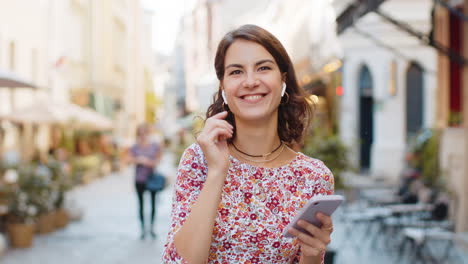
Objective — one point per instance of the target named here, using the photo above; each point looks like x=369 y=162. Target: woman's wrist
x=216 y=175
x=310 y=260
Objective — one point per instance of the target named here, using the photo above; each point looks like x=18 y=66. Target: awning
x=51 y=112
x=8 y=79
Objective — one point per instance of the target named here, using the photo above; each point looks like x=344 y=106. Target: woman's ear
x=283 y=77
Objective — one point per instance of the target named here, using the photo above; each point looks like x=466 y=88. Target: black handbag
x=156 y=182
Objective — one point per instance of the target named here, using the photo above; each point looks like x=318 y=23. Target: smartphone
x=325 y=204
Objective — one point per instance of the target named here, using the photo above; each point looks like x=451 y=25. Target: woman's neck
x=257 y=138
x=143 y=143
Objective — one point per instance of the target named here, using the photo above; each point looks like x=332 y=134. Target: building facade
x=92 y=53
x=389 y=86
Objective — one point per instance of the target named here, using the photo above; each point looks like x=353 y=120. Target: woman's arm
x=194 y=238
x=310 y=260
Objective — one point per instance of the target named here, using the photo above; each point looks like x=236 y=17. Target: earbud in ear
x=284 y=89
x=224 y=97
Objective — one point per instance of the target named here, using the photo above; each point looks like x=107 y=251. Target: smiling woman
x=241 y=184
x=270 y=60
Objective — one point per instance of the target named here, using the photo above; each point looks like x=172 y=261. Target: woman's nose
x=251 y=81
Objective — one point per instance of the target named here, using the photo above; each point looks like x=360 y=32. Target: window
x=414 y=100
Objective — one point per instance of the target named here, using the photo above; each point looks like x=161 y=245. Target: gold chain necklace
x=261 y=161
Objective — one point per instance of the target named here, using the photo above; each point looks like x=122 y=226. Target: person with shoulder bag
x=146 y=156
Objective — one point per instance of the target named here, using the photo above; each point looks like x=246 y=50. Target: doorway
x=366 y=117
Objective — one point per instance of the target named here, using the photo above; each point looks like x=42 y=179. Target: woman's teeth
x=253 y=97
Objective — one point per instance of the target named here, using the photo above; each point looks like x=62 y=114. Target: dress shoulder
x=316 y=171
x=194 y=151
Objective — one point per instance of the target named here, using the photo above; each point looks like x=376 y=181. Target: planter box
x=20 y=235
x=61 y=218
x=46 y=223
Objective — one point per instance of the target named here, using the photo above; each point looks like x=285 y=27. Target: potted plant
x=22 y=209
x=44 y=197
x=424 y=152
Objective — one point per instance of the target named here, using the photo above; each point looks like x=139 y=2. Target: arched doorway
x=366 y=117
x=414 y=100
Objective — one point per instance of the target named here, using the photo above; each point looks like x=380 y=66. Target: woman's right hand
x=213 y=142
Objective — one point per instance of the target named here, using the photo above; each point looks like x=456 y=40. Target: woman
x=242 y=184
x=145 y=155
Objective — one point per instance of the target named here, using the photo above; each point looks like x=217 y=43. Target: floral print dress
x=256 y=205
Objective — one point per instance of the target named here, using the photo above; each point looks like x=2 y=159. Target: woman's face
x=142 y=134
x=252 y=81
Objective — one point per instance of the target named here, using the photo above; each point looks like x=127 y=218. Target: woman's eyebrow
x=234 y=65
x=264 y=61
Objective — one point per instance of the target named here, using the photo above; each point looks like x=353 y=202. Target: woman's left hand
x=314 y=242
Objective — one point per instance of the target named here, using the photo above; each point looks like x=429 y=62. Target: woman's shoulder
x=317 y=173
x=311 y=164
x=194 y=151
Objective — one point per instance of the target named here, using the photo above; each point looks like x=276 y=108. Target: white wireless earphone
x=284 y=89
x=224 y=97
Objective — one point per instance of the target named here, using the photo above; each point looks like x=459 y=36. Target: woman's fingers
x=306 y=238
x=310 y=251
x=310 y=246
x=219 y=134
x=327 y=222
x=319 y=233
x=212 y=123
x=215 y=125
x=214 y=135
x=220 y=115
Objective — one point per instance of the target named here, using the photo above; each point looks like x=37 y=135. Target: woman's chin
x=254 y=116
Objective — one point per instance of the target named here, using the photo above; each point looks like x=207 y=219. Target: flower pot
x=45 y=223
x=20 y=235
x=61 y=218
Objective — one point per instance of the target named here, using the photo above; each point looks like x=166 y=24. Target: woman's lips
x=253 y=98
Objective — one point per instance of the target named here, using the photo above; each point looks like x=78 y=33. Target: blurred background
x=389 y=79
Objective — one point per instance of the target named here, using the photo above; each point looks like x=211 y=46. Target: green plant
x=62 y=181
x=22 y=194
x=425 y=157
x=330 y=149
x=455 y=118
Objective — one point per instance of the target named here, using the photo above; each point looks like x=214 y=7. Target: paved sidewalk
x=109 y=231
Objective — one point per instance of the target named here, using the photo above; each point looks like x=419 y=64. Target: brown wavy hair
x=295 y=112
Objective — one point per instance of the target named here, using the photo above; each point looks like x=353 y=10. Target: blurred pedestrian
x=146 y=155
x=242 y=183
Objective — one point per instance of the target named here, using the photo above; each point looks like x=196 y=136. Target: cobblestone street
x=109 y=231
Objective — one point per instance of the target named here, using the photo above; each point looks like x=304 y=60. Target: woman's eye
x=235 y=72
x=264 y=68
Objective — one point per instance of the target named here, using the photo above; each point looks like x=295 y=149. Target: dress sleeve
x=327 y=186
x=191 y=175
x=324 y=184
x=325 y=180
